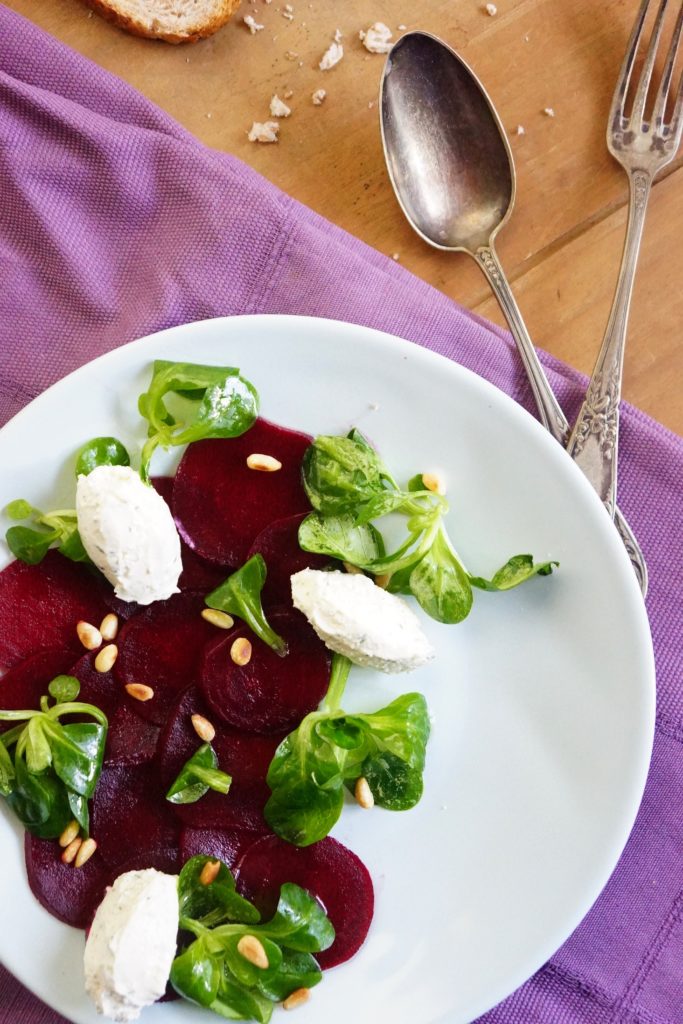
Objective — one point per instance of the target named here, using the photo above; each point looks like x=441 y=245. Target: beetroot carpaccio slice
x=269 y=693
x=130 y=815
x=220 y=505
x=161 y=648
x=244 y=756
x=99 y=688
x=41 y=604
x=197 y=574
x=68 y=893
x=227 y=844
x=279 y=546
x=329 y=871
x=130 y=740
x=23 y=686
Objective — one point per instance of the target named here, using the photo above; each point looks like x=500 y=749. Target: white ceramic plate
x=542 y=700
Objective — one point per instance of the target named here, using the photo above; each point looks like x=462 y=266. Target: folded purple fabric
x=115 y=222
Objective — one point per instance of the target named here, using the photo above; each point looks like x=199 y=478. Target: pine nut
x=363 y=794
x=69 y=834
x=209 y=872
x=218 y=618
x=240 y=652
x=263 y=463
x=90 y=637
x=109 y=626
x=202 y=726
x=433 y=482
x=71 y=850
x=138 y=691
x=383 y=580
x=297 y=998
x=353 y=569
x=87 y=848
x=104 y=661
x=252 y=950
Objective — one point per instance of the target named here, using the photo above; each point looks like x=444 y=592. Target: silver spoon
x=451 y=168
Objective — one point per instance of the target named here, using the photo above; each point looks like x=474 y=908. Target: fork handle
x=594 y=440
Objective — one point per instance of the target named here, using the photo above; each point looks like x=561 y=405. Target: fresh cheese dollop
x=128 y=531
x=354 y=617
x=132 y=943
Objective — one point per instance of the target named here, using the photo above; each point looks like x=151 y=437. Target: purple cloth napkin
x=115 y=222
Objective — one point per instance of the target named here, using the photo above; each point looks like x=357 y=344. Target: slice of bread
x=174 y=21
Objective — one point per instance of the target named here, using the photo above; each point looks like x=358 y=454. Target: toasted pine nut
x=202 y=726
x=106 y=658
x=138 y=691
x=252 y=950
x=240 y=652
x=363 y=793
x=89 y=635
x=383 y=580
x=209 y=872
x=433 y=482
x=353 y=569
x=85 y=852
x=109 y=626
x=263 y=463
x=71 y=850
x=69 y=834
x=297 y=998
x=218 y=618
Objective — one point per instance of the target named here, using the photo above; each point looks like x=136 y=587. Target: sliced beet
x=220 y=505
x=279 y=545
x=131 y=739
x=161 y=647
x=244 y=756
x=197 y=574
x=227 y=844
x=68 y=893
x=23 y=686
x=269 y=693
x=99 y=688
x=41 y=604
x=327 y=870
x=130 y=815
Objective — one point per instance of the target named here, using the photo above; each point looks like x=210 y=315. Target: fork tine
x=638 y=112
x=617 y=108
x=659 y=110
x=676 y=125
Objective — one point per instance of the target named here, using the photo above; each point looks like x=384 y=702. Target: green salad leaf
x=199 y=774
x=209 y=401
x=55 y=529
x=101 y=451
x=240 y=595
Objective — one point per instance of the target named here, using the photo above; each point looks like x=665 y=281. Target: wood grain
x=561 y=247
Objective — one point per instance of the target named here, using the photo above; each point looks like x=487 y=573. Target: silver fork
x=642 y=148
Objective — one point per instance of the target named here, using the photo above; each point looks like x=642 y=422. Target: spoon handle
x=549 y=410
x=552 y=417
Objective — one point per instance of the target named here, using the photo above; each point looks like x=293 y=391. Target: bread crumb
x=376 y=39
x=371 y=104
x=318 y=97
x=396 y=256
x=332 y=55
x=519 y=130
x=264 y=132
x=491 y=10
x=252 y=24
x=278 y=108
x=402 y=28
x=288 y=15
x=337 y=35
x=288 y=95
x=549 y=112
x=291 y=55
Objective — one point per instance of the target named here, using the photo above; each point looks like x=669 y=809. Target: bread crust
x=138 y=28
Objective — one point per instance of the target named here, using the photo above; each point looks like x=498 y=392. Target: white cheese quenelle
x=354 y=617
x=132 y=943
x=128 y=531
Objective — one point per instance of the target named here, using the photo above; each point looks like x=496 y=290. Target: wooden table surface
x=563 y=243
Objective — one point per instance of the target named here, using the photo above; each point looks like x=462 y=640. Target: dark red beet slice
x=23 y=686
x=328 y=871
x=130 y=815
x=41 y=604
x=279 y=545
x=161 y=647
x=227 y=844
x=130 y=740
x=220 y=505
x=68 y=893
x=244 y=756
x=269 y=693
x=197 y=573
x=98 y=688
